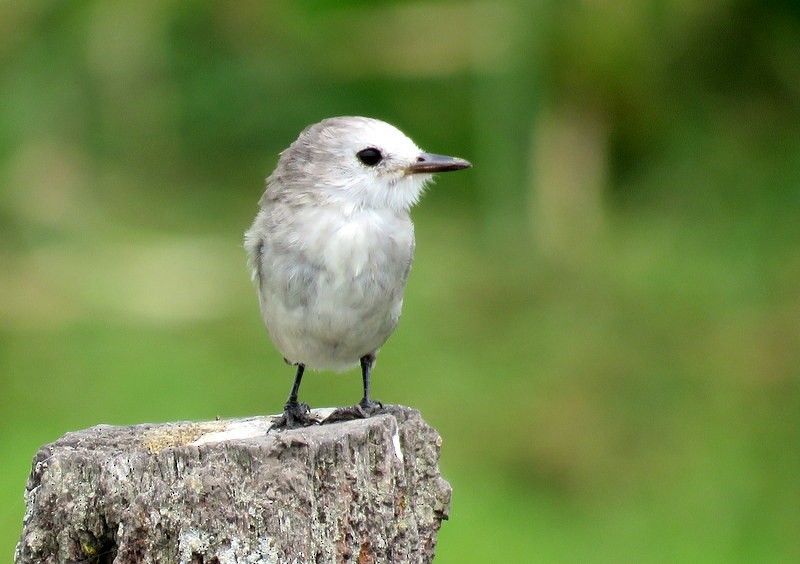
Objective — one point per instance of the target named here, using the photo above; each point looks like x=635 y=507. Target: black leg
x=295 y=414
x=366 y=407
x=298 y=377
x=366 y=370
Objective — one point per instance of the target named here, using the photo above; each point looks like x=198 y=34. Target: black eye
x=370 y=157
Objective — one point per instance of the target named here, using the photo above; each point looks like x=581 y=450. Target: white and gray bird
x=332 y=245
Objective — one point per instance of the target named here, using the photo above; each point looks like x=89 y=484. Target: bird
x=331 y=247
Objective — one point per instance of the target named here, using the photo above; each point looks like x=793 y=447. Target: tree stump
x=238 y=491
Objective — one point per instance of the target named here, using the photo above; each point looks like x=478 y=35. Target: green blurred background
x=603 y=320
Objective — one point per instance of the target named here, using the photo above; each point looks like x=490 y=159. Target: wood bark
x=238 y=491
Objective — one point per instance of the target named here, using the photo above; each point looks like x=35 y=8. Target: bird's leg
x=295 y=414
x=298 y=377
x=366 y=407
x=366 y=369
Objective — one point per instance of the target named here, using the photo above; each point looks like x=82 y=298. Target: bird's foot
x=361 y=410
x=295 y=416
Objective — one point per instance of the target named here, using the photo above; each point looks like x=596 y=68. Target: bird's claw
x=295 y=416
x=361 y=410
x=370 y=407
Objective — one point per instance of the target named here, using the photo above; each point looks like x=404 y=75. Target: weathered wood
x=237 y=491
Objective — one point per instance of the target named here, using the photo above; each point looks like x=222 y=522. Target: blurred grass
x=603 y=319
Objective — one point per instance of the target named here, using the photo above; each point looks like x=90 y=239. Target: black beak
x=429 y=163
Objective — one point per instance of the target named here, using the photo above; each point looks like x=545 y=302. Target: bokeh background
x=603 y=320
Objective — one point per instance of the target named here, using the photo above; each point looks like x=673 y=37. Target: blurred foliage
x=603 y=320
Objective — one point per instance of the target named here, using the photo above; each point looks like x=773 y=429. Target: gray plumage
x=332 y=244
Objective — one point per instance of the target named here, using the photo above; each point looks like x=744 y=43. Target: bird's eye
x=370 y=156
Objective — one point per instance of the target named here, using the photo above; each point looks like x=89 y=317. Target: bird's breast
x=356 y=248
x=331 y=285
x=369 y=243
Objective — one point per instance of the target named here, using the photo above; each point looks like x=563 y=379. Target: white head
x=354 y=163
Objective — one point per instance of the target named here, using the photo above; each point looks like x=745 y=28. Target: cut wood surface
x=234 y=491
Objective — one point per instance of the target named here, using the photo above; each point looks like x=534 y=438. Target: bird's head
x=355 y=163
